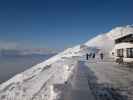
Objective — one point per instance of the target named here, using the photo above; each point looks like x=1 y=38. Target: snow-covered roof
x=119 y=32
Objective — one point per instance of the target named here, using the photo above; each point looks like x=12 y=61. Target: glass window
x=119 y=52
x=129 y=52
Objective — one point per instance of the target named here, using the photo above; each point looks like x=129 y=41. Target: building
x=123 y=49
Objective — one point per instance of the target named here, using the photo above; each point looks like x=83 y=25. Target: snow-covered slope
x=34 y=83
x=101 y=41
x=106 y=40
x=28 y=84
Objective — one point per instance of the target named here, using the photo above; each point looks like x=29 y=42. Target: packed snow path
x=79 y=85
x=110 y=81
x=99 y=80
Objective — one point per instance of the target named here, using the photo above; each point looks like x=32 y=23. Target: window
x=129 y=52
x=119 y=52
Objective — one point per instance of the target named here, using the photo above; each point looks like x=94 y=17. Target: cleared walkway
x=80 y=88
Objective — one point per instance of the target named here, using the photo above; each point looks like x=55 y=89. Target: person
x=87 y=56
x=93 y=56
x=101 y=56
x=90 y=55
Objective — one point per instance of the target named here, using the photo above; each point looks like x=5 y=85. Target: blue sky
x=60 y=23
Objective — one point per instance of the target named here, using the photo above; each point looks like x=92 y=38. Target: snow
x=37 y=82
x=105 y=41
x=101 y=42
x=120 y=31
x=114 y=76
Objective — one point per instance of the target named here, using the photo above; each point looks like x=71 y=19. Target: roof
x=126 y=38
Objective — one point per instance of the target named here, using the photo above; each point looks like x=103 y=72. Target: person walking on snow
x=101 y=56
x=93 y=56
x=87 y=56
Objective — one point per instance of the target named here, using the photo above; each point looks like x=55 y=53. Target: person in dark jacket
x=101 y=56
x=87 y=56
x=93 y=56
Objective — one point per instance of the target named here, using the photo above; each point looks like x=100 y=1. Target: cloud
x=8 y=45
x=14 y=48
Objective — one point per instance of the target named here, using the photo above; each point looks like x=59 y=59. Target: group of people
x=92 y=55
